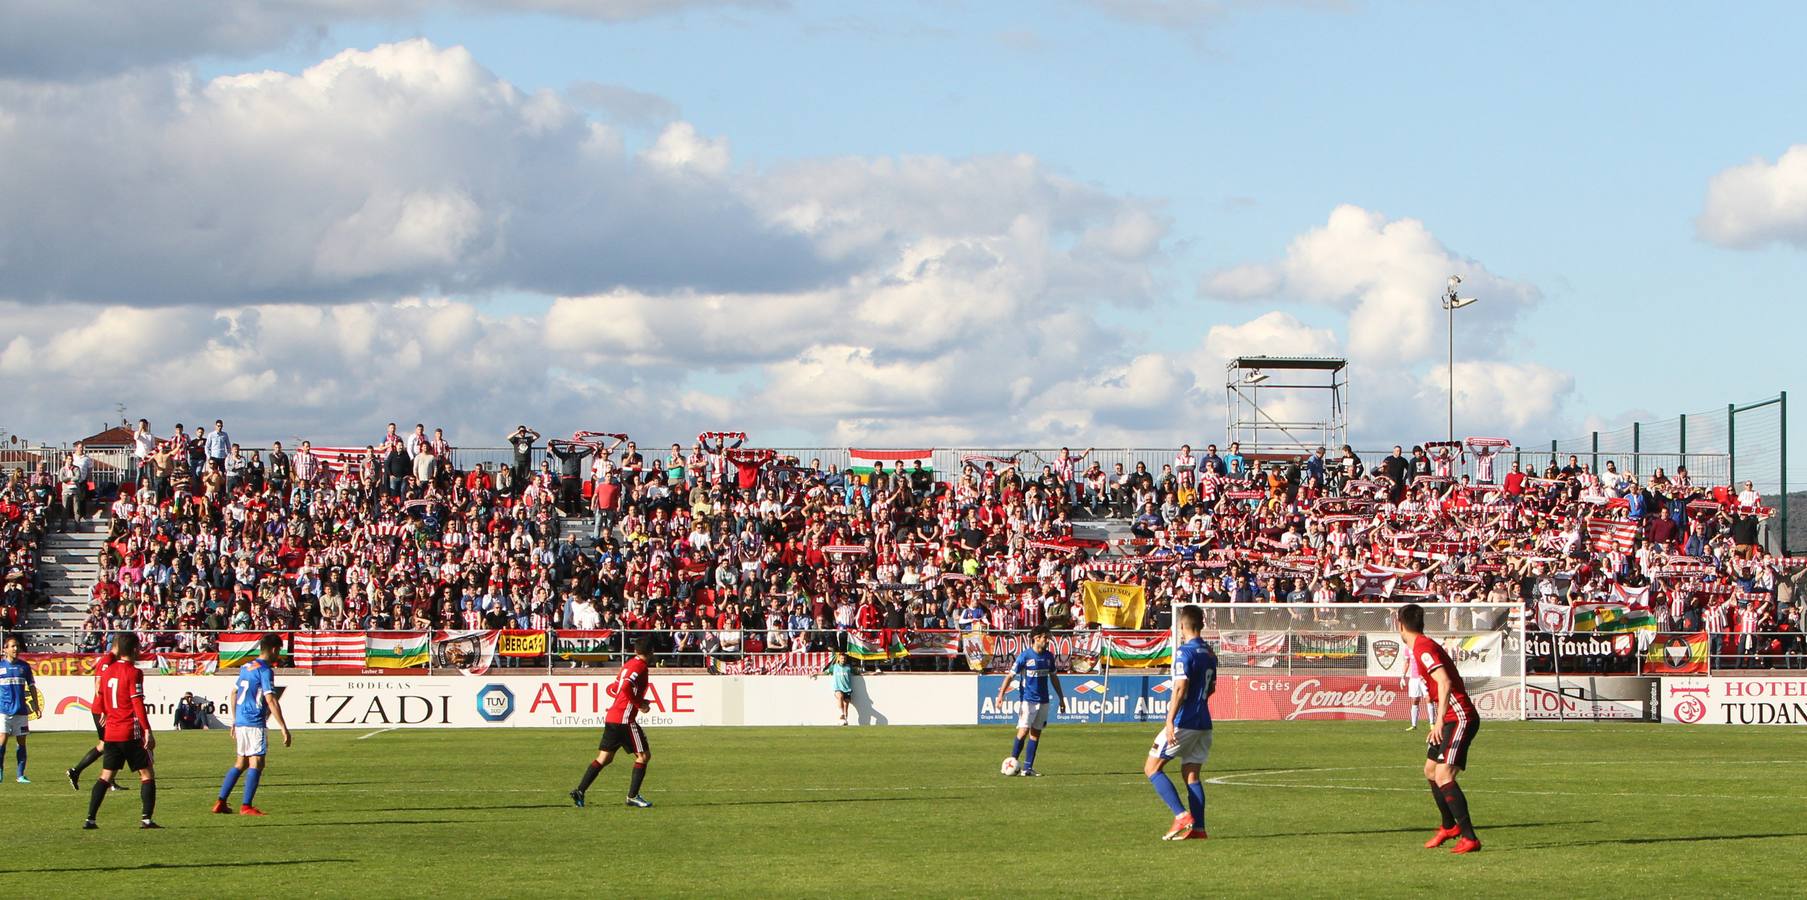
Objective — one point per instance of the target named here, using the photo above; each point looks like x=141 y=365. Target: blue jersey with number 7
x=1195 y=662
x=255 y=679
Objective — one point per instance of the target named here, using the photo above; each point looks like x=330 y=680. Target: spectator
x=191 y=713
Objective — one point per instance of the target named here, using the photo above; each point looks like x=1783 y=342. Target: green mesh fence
x=1725 y=446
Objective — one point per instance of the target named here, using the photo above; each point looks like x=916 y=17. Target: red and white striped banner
x=338 y=459
x=1488 y=442
x=871 y=456
x=1605 y=534
x=846 y=549
x=318 y=649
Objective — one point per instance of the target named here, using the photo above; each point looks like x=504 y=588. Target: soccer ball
x=1009 y=766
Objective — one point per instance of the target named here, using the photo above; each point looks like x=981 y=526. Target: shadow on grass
x=1680 y=839
x=373 y=823
x=160 y=866
x=1415 y=829
x=463 y=807
x=1137 y=772
x=814 y=800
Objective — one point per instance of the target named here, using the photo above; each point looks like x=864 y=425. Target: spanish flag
x=1113 y=605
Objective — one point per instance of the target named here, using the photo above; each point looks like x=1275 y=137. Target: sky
x=937 y=223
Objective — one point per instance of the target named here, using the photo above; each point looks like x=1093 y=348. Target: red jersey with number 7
x=121 y=703
x=1430 y=656
x=630 y=692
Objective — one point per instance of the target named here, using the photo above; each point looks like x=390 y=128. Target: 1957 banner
x=1475 y=655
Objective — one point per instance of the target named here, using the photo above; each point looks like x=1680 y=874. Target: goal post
x=1350 y=653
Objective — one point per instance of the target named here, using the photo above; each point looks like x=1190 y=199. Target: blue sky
x=1565 y=148
x=1566 y=144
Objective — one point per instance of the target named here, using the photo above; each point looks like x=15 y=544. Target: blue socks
x=1195 y=791
x=251 y=778
x=1164 y=786
x=1016 y=749
x=21 y=758
x=226 y=786
x=1029 y=760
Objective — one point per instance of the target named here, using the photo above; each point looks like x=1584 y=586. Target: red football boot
x=1182 y=824
x=1466 y=845
x=1442 y=837
x=250 y=811
x=220 y=808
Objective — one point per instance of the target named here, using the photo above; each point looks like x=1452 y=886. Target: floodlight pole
x=1451 y=303
x=1451 y=306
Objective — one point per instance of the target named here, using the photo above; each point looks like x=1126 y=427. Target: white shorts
x=1033 y=715
x=1192 y=746
x=15 y=726
x=251 y=741
x=1414 y=687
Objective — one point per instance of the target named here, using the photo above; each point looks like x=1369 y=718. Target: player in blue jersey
x=1035 y=666
x=18 y=695
x=1187 y=734
x=253 y=703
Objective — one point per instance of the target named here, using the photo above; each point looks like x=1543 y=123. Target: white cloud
x=1273 y=334
x=399 y=170
x=842 y=296
x=624 y=104
x=680 y=149
x=1758 y=203
x=1506 y=397
x=86 y=37
x=1386 y=275
x=1193 y=18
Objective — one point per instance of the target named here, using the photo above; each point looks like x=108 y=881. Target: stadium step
x=68 y=565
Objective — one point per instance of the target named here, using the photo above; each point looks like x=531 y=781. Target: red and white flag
x=337 y=459
x=1635 y=597
x=1555 y=617
x=321 y=649
x=1606 y=534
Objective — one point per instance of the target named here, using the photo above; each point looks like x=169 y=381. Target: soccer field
x=1297 y=809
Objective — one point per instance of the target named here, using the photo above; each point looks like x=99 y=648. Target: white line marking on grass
x=1227 y=781
x=365 y=737
x=1042 y=784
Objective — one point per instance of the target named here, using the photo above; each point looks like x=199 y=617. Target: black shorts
x=117 y=755
x=616 y=735
x=844 y=695
x=100 y=728
x=1452 y=747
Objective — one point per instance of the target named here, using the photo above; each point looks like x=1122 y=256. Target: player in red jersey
x=125 y=730
x=74 y=774
x=621 y=727
x=1448 y=745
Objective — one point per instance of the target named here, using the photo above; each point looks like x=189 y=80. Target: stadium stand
x=724 y=539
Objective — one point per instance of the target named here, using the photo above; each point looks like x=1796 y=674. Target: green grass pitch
x=1305 y=809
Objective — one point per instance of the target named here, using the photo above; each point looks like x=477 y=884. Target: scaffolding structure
x=1254 y=385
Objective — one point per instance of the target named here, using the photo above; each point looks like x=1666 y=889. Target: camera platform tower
x=1273 y=403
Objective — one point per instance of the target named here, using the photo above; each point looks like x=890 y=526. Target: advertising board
x=1476 y=655
x=1734 y=700
x=538 y=701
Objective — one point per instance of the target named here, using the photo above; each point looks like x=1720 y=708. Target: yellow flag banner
x=521 y=643
x=1113 y=605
